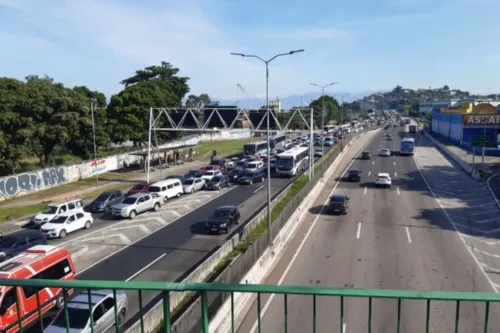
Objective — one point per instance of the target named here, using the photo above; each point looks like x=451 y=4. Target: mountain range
x=296 y=100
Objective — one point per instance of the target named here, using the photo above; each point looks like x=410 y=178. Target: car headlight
x=46 y=219
x=223 y=225
x=2 y=254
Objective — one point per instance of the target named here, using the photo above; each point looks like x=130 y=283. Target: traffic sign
x=479 y=141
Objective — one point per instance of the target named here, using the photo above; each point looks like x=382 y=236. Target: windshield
x=78 y=318
x=240 y=164
x=139 y=187
x=102 y=197
x=154 y=189
x=222 y=213
x=337 y=199
x=50 y=210
x=249 y=149
x=382 y=177
x=7 y=243
x=188 y=182
x=284 y=161
x=129 y=201
x=252 y=166
x=209 y=168
x=210 y=173
x=59 y=219
x=217 y=179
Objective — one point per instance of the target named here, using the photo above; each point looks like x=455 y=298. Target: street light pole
x=268 y=130
x=342 y=122
x=92 y=100
x=322 y=116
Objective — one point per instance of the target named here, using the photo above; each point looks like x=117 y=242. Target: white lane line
x=257 y=190
x=397 y=188
x=394 y=163
x=146 y=267
x=358 y=233
x=344 y=327
x=395 y=175
x=408 y=235
x=478 y=263
x=369 y=173
x=373 y=162
x=365 y=190
x=304 y=239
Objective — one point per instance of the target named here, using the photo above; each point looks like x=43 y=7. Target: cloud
x=307 y=34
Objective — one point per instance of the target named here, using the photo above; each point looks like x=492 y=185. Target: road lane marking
x=394 y=163
x=365 y=190
x=395 y=175
x=369 y=173
x=478 y=263
x=146 y=267
x=358 y=233
x=408 y=234
x=397 y=188
x=373 y=162
x=257 y=190
x=304 y=239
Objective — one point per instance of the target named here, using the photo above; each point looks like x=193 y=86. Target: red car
x=139 y=188
x=210 y=168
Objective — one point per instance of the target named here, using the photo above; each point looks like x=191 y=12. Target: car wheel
x=251 y=183
x=165 y=199
x=107 y=208
x=178 y=194
x=226 y=231
x=87 y=224
x=121 y=316
x=132 y=215
x=156 y=207
x=59 y=302
x=262 y=179
x=62 y=233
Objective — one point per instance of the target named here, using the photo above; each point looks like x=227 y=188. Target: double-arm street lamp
x=268 y=116
x=342 y=121
x=322 y=116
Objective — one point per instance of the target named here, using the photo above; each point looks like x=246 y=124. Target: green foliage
x=331 y=110
x=154 y=86
x=194 y=101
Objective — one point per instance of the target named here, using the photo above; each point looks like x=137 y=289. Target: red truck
x=413 y=128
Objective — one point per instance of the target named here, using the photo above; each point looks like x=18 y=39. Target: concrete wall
x=33 y=181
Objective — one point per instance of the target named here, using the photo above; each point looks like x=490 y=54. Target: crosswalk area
x=97 y=245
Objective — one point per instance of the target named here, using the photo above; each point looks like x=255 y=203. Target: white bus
x=292 y=161
x=255 y=148
x=329 y=128
x=278 y=141
x=407 y=146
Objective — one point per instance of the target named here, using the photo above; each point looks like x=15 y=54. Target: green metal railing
x=166 y=288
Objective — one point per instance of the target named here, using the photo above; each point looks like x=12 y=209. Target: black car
x=17 y=242
x=250 y=178
x=234 y=174
x=221 y=162
x=181 y=178
x=217 y=182
x=222 y=218
x=106 y=200
x=193 y=174
x=354 y=175
x=339 y=203
x=366 y=155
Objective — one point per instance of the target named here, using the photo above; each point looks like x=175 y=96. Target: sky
x=364 y=45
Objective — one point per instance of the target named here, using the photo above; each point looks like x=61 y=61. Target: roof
x=227 y=207
x=137 y=195
x=162 y=150
x=355 y=170
x=338 y=196
x=27 y=258
x=81 y=300
x=383 y=174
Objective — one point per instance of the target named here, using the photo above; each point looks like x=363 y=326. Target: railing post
x=204 y=311
x=166 y=312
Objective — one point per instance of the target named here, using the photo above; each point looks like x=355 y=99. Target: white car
x=318 y=153
x=193 y=184
x=383 y=179
x=231 y=164
x=385 y=152
x=66 y=223
x=54 y=209
x=211 y=174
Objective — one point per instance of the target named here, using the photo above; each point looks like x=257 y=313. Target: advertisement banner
x=481 y=120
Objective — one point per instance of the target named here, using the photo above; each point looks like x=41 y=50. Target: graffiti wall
x=32 y=181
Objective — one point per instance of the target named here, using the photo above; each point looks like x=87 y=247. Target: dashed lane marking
x=408 y=234
x=397 y=188
x=358 y=233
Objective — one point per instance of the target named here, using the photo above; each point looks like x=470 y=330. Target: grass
x=16 y=212
x=222 y=147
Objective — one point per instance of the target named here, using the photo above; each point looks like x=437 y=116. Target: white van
x=167 y=189
x=56 y=208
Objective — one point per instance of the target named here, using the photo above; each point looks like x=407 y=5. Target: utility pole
x=268 y=116
x=92 y=100
x=322 y=117
x=342 y=122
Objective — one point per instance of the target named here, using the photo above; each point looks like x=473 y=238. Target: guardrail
x=342 y=294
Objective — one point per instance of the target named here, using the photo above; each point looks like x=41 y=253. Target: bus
x=329 y=128
x=293 y=161
x=255 y=148
x=407 y=146
x=277 y=141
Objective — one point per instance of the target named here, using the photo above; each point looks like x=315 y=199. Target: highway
x=397 y=238
x=160 y=246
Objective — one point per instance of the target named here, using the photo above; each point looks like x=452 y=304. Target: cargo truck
x=413 y=128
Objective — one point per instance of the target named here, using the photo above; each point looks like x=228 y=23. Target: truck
x=413 y=128
x=136 y=204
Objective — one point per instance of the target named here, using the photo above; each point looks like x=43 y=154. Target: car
x=167 y=189
x=328 y=143
x=255 y=166
x=193 y=184
x=222 y=218
x=66 y=223
x=181 y=178
x=231 y=164
x=339 y=203
x=354 y=175
x=388 y=137
x=219 y=161
x=104 y=315
x=208 y=168
x=385 y=152
x=233 y=174
x=136 y=204
x=105 y=201
x=18 y=242
x=53 y=209
x=366 y=155
x=139 y=188
x=248 y=178
x=193 y=174
x=208 y=175
x=217 y=182
x=383 y=179
x=318 y=153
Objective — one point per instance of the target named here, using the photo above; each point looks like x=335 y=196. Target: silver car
x=191 y=185
x=103 y=312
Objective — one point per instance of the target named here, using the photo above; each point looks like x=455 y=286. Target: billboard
x=481 y=120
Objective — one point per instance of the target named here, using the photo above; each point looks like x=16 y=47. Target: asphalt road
x=398 y=238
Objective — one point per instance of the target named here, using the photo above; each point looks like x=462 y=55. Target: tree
x=154 y=86
x=203 y=100
x=446 y=87
x=331 y=110
x=406 y=109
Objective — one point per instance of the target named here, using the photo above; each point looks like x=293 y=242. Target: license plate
x=214 y=229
